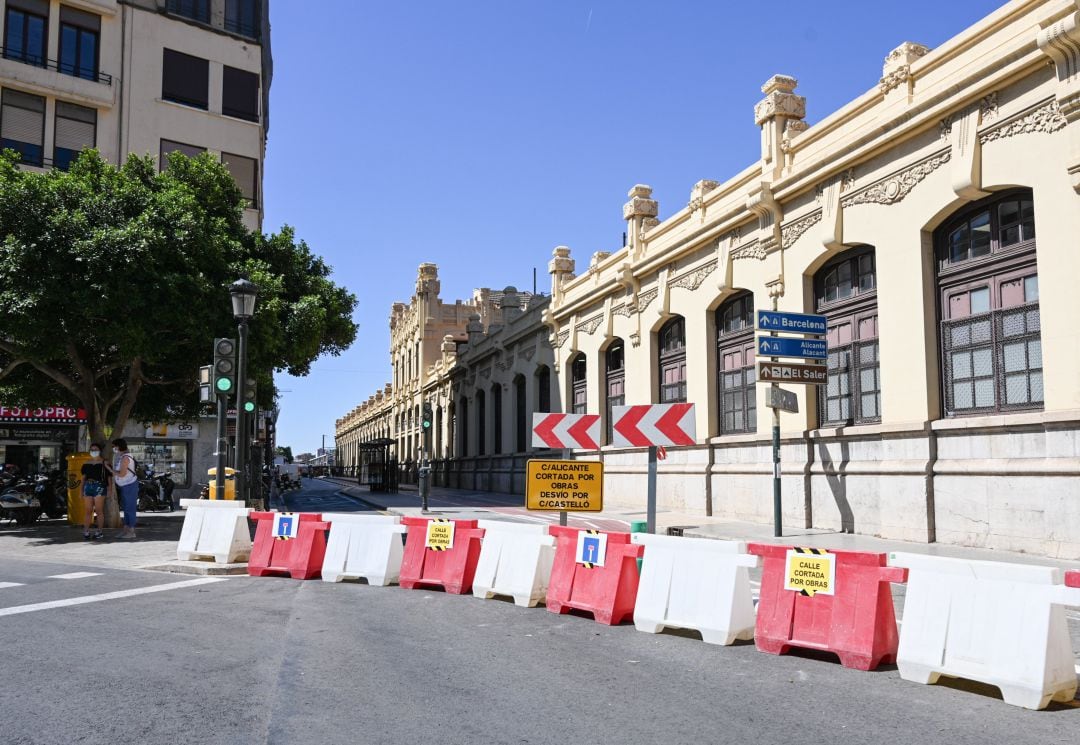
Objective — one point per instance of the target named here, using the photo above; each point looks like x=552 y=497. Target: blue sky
x=480 y=134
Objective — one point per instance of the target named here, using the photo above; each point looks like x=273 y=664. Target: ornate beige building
x=934 y=221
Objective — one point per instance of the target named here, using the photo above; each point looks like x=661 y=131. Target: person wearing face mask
x=127 y=484
x=94 y=480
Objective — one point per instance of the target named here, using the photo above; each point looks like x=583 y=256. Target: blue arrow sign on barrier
x=778 y=346
x=792 y=323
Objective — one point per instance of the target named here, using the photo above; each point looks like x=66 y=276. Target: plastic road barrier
x=363 y=546
x=288 y=543
x=853 y=617
x=452 y=565
x=1072 y=579
x=595 y=572
x=216 y=530
x=695 y=583
x=997 y=623
x=515 y=560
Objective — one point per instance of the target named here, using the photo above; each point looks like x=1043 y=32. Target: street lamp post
x=243 y=301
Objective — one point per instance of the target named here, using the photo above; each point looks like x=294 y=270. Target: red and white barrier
x=292 y=543
x=695 y=583
x=214 y=529
x=365 y=547
x=665 y=425
x=603 y=581
x=566 y=431
x=515 y=560
x=996 y=623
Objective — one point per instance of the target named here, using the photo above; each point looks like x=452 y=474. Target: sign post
x=775 y=346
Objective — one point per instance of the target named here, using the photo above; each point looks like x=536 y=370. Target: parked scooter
x=155 y=492
x=18 y=502
x=51 y=491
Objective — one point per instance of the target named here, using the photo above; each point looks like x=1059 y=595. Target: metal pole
x=777 y=503
x=562 y=513
x=241 y=415
x=425 y=472
x=222 y=445
x=650 y=505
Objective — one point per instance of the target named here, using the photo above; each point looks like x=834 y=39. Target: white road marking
x=75 y=575
x=108 y=596
x=5 y=585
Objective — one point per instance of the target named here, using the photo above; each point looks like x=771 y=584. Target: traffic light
x=206 y=393
x=425 y=420
x=249 y=395
x=224 y=366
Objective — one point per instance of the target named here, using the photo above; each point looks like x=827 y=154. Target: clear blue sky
x=481 y=134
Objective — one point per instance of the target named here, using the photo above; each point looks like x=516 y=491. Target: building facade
x=934 y=221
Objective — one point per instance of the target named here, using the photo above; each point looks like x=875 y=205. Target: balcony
x=50 y=77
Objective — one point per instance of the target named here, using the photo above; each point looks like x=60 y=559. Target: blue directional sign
x=778 y=346
x=792 y=323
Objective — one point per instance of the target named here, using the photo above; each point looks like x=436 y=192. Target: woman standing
x=127 y=484
x=95 y=477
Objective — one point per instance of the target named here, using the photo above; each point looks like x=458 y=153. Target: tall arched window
x=496 y=419
x=463 y=417
x=438 y=424
x=845 y=290
x=736 y=378
x=579 y=389
x=543 y=389
x=988 y=294
x=481 y=423
x=521 y=415
x=672 y=338
x=614 y=379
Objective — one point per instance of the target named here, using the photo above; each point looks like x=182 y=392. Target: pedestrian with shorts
x=127 y=485
x=95 y=479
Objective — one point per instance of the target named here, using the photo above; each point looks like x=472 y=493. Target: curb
x=200 y=568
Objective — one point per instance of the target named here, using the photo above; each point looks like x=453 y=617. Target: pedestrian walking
x=95 y=479
x=127 y=484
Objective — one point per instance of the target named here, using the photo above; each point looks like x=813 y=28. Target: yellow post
x=230 y=483
x=74 y=487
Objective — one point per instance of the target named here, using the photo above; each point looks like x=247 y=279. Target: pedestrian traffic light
x=425 y=421
x=206 y=392
x=249 y=395
x=224 y=366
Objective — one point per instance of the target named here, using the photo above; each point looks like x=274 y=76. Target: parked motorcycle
x=155 y=492
x=18 y=502
x=51 y=491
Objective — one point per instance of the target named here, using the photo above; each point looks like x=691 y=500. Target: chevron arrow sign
x=565 y=431
x=653 y=424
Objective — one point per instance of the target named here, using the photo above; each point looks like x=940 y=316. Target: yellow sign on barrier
x=810 y=571
x=440 y=535
x=564 y=486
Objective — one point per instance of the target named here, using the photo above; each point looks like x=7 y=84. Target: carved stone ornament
x=590 y=325
x=621 y=310
x=752 y=250
x=645 y=298
x=896 y=78
x=560 y=339
x=1046 y=118
x=528 y=352
x=988 y=108
x=792 y=231
x=894 y=188
x=693 y=279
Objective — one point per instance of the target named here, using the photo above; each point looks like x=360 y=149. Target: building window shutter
x=245 y=172
x=240 y=94
x=169 y=146
x=185 y=79
x=75 y=126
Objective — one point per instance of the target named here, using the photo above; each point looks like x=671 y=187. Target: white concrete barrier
x=695 y=583
x=363 y=546
x=515 y=560
x=992 y=622
x=214 y=528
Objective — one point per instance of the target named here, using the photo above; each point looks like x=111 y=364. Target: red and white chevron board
x=653 y=424
x=564 y=431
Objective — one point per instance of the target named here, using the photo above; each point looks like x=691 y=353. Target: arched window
x=496 y=418
x=614 y=380
x=845 y=290
x=438 y=424
x=988 y=295
x=521 y=415
x=481 y=423
x=672 y=338
x=736 y=378
x=463 y=417
x=579 y=389
x=543 y=389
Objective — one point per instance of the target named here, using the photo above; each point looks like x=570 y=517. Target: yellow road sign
x=440 y=535
x=564 y=485
x=810 y=571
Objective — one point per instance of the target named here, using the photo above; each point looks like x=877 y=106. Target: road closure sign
x=810 y=571
x=564 y=486
x=440 y=535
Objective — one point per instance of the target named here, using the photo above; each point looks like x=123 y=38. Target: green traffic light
x=249 y=406
x=427 y=425
x=224 y=384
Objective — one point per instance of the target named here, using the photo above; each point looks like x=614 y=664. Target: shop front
x=38 y=439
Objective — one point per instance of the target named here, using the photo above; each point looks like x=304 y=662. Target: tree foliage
x=114 y=283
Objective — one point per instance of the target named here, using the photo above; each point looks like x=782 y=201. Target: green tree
x=114 y=283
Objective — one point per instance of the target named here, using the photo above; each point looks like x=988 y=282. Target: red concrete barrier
x=452 y=568
x=1072 y=579
x=300 y=556
x=857 y=623
x=609 y=591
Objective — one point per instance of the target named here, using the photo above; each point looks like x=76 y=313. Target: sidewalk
x=56 y=541
x=495 y=505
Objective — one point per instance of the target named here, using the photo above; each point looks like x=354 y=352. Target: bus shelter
x=377 y=469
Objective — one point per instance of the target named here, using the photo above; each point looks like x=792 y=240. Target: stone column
x=640 y=214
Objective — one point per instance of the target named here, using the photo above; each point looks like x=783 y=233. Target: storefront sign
x=182 y=431
x=32 y=432
x=46 y=414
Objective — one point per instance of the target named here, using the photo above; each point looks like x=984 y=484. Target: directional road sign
x=778 y=372
x=653 y=424
x=778 y=346
x=565 y=431
x=792 y=323
x=782 y=399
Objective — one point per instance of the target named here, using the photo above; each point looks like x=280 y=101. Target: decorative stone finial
x=897 y=68
x=561 y=264
x=641 y=204
x=780 y=100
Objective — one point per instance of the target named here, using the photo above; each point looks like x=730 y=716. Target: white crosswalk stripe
x=75 y=575
x=68 y=602
x=5 y=585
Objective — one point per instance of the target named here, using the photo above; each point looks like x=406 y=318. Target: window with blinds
x=245 y=172
x=185 y=79
x=240 y=94
x=169 y=146
x=22 y=125
x=76 y=129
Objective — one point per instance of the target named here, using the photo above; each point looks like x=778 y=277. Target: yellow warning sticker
x=810 y=571
x=440 y=535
